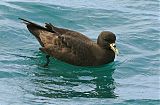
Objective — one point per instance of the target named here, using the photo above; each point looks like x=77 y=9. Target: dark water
x=132 y=79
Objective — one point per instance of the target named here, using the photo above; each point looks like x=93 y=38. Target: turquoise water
x=133 y=79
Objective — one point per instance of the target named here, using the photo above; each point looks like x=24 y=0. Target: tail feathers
x=31 y=24
x=41 y=33
x=26 y=21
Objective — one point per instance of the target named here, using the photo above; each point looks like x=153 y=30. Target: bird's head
x=107 y=40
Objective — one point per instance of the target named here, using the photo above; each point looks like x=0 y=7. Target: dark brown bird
x=73 y=47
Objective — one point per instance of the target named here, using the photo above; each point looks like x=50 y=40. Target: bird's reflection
x=61 y=80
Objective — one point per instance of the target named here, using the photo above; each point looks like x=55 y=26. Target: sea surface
x=132 y=79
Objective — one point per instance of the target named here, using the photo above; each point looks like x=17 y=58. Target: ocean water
x=133 y=79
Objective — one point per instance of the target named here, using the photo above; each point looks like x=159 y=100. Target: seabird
x=73 y=47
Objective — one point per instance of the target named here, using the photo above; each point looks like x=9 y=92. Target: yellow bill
x=113 y=47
